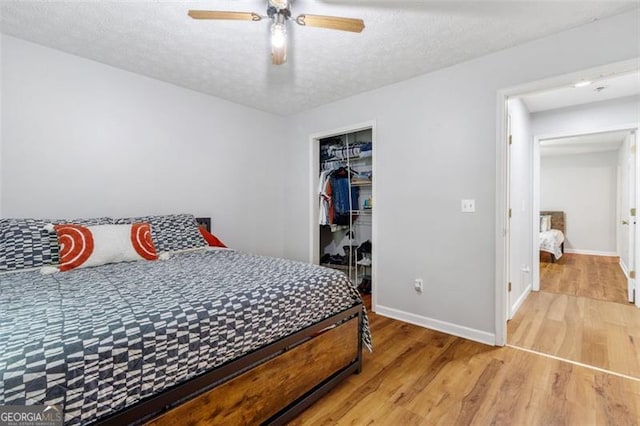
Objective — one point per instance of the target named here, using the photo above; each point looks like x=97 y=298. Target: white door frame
x=509 y=242
x=636 y=251
x=314 y=209
x=501 y=225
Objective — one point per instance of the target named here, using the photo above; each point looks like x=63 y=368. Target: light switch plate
x=468 y=206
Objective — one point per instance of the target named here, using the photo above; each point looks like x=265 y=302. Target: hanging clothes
x=344 y=201
x=324 y=190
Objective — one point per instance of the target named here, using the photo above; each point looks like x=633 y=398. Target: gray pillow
x=171 y=232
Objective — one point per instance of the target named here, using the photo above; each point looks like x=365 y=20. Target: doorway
x=346 y=242
x=520 y=260
x=590 y=178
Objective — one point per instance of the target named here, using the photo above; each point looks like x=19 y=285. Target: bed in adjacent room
x=552 y=227
x=194 y=333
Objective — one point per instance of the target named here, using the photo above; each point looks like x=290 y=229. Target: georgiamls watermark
x=30 y=415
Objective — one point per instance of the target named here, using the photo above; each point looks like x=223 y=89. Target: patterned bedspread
x=99 y=339
x=550 y=241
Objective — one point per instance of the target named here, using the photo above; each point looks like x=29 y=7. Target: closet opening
x=342 y=219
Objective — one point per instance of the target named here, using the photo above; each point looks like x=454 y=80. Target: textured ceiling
x=231 y=60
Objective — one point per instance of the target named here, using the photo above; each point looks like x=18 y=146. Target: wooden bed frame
x=557 y=222
x=271 y=385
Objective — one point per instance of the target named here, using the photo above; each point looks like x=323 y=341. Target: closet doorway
x=342 y=204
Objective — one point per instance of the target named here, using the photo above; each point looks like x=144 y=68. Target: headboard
x=557 y=219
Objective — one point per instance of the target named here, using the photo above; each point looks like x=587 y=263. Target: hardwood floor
x=417 y=376
x=590 y=331
x=597 y=277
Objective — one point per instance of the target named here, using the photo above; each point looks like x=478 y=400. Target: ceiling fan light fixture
x=278 y=43
x=278 y=36
x=279 y=13
x=279 y=4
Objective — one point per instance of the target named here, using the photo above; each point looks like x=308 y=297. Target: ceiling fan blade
x=223 y=14
x=331 y=22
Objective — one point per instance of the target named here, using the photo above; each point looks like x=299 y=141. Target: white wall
x=596 y=116
x=80 y=138
x=584 y=186
x=587 y=117
x=521 y=204
x=435 y=146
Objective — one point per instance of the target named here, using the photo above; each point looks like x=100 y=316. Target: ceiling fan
x=279 y=12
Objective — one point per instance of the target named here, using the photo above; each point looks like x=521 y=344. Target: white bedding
x=550 y=241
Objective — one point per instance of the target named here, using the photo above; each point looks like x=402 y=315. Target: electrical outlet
x=468 y=206
x=418 y=285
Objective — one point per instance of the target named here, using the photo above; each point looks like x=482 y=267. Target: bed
x=206 y=335
x=552 y=234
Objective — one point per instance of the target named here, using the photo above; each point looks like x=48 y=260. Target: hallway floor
x=581 y=314
x=597 y=277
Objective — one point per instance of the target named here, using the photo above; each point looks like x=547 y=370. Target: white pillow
x=86 y=246
x=545 y=223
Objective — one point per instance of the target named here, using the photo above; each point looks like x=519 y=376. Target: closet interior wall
x=346 y=205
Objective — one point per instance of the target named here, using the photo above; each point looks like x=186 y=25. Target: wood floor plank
x=596 y=277
x=473 y=400
x=422 y=377
x=598 y=327
x=398 y=415
x=585 y=335
x=610 y=398
x=436 y=393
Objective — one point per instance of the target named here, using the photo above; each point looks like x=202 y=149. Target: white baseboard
x=591 y=252
x=443 y=326
x=520 y=301
x=624 y=268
